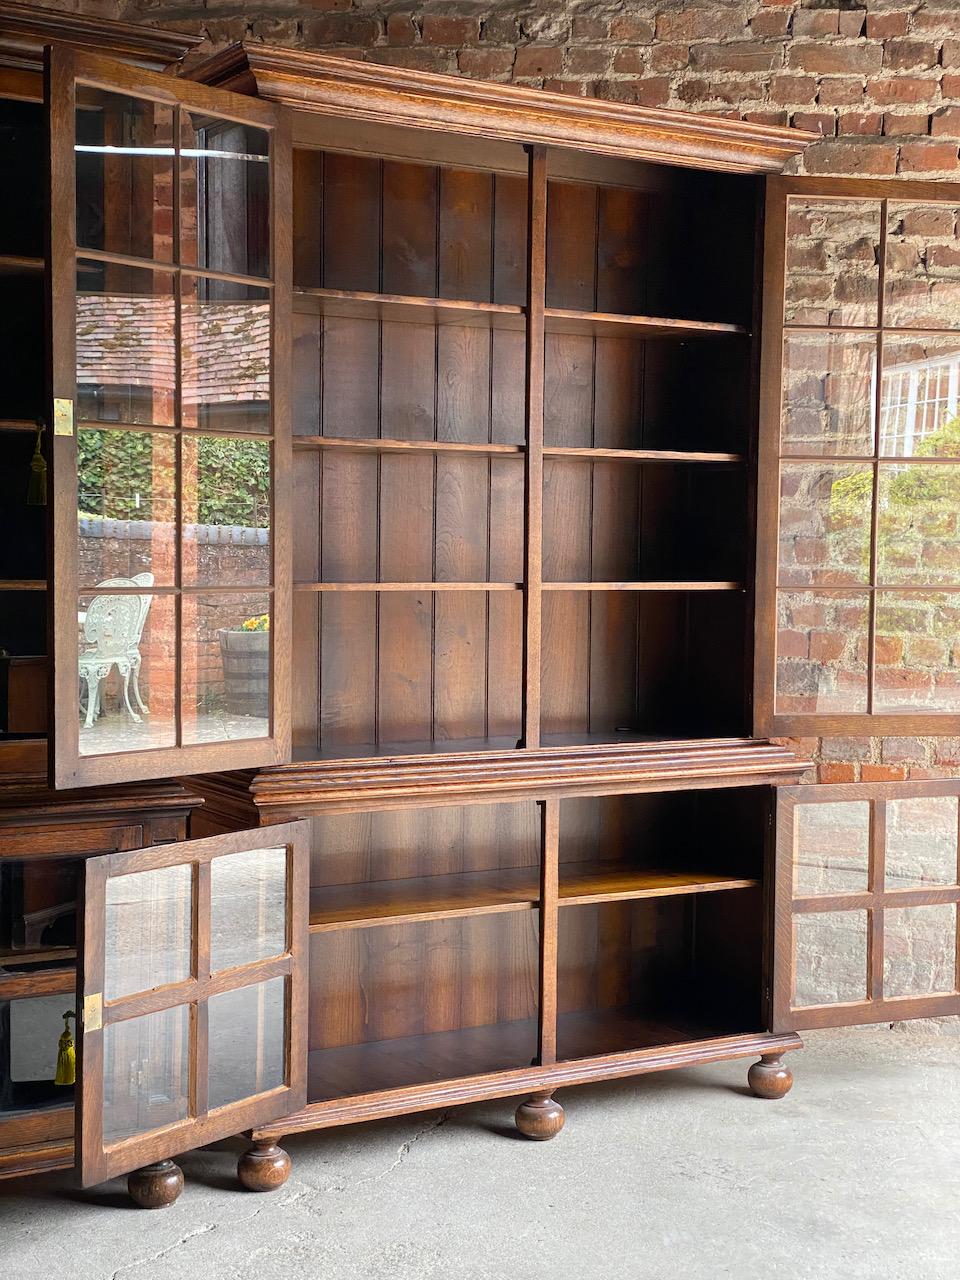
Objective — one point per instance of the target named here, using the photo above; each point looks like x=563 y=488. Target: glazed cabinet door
x=867 y=894
x=194 y=995
x=170 y=274
x=858 y=555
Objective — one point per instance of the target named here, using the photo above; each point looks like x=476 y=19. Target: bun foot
x=769 y=1078
x=156 y=1186
x=540 y=1117
x=264 y=1167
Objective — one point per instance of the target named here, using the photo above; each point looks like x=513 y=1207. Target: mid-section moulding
x=495 y=777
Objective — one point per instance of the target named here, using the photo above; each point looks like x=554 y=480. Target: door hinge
x=93 y=1012
x=62 y=417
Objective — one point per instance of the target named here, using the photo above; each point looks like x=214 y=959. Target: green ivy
x=118 y=474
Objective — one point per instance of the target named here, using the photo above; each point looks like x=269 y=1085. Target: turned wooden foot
x=264 y=1167
x=155 y=1185
x=769 y=1078
x=540 y=1117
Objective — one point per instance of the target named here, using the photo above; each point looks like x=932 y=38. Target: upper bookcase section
x=340 y=87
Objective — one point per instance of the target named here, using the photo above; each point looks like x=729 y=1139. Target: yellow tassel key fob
x=66 y=1054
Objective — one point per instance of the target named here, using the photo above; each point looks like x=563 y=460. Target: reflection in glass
x=126 y=506
x=821 y=652
x=921 y=847
x=830 y=957
x=832 y=848
x=919 y=950
x=921 y=285
x=225 y=195
x=38 y=913
x=124 y=158
x=146 y=1073
x=917 y=633
x=248 y=907
x=127 y=657
x=226 y=667
x=148 y=930
x=226 y=511
x=126 y=359
x=920 y=397
x=247 y=1042
x=30 y=1030
x=226 y=355
x=918 y=540
x=824 y=524
x=828 y=393
x=832 y=261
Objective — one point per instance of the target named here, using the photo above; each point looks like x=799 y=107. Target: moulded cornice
x=451 y=104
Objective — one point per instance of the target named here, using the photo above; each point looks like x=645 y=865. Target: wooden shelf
x=639 y=455
x=366 y=905
x=406 y=309
x=23 y=584
x=346 y=444
x=18 y=424
x=619 y=1030
x=408 y=586
x=306 y=755
x=601 y=324
x=17 y=264
x=351 y=906
x=443 y=1055
x=643 y=586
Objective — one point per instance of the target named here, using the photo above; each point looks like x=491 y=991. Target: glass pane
x=920 y=397
x=921 y=842
x=148 y=930
x=832 y=848
x=822 y=652
x=248 y=907
x=917 y=634
x=226 y=667
x=225 y=195
x=126 y=508
x=246 y=1032
x=28 y=1059
x=124 y=154
x=824 y=524
x=226 y=511
x=38 y=913
x=226 y=355
x=918 y=539
x=126 y=358
x=832 y=261
x=127 y=651
x=922 y=287
x=830 y=957
x=828 y=393
x=919 y=950
x=146 y=1073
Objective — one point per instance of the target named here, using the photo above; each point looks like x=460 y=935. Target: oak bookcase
x=410 y=427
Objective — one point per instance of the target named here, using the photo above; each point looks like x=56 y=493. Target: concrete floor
x=855 y=1174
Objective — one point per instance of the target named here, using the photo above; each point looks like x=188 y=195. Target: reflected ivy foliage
x=227 y=480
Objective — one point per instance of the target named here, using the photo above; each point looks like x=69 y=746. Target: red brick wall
x=880 y=81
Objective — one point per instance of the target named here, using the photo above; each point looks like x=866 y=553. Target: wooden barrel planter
x=246 y=672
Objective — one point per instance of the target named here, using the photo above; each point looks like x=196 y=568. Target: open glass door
x=194 y=995
x=867 y=892
x=169 y=266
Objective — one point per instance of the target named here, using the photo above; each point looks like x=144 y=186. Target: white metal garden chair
x=112 y=628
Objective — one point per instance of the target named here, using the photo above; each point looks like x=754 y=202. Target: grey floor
x=855 y=1174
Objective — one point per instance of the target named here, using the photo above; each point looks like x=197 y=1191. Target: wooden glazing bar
x=408 y=586
x=175 y=268
x=638 y=455
x=875 y=880
x=601 y=323
x=533 y=478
